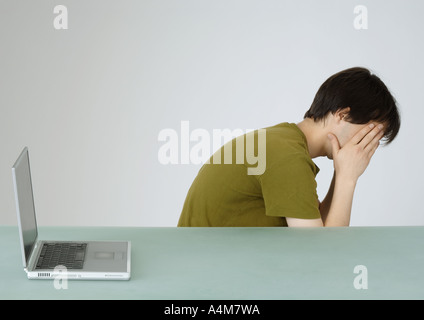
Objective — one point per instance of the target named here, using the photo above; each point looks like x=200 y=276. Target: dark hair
x=364 y=93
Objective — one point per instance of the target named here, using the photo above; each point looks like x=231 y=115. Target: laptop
x=80 y=260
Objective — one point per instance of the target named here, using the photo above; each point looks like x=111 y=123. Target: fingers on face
x=374 y=144
x=369 y=135
x=357 y=138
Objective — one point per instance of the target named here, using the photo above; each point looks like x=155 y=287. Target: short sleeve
x=289 y=188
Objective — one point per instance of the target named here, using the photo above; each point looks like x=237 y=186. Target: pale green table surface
x=236 y=263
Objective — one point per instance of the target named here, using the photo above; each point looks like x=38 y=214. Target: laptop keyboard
x=71 y=255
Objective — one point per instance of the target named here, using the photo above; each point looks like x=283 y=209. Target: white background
x=90 y=101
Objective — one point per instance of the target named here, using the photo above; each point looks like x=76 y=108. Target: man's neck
x=316 y=136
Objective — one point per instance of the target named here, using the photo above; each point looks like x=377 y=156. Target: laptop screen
x=25 y=204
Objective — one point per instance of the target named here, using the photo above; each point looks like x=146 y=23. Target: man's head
x=351 y=99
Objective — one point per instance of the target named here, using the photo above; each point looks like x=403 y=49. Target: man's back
x=226 y=195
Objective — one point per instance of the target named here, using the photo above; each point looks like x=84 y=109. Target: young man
x=351 y=112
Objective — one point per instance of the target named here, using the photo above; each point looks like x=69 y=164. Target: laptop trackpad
x=101 y=255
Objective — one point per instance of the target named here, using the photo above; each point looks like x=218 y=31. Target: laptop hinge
x=34 y=255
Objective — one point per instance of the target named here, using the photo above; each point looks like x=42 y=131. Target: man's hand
x=352 y=160
x=349 y=163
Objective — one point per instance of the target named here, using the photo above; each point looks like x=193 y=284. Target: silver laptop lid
x=25 y=209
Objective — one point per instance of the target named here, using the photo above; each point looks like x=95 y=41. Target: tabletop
x=237 y=263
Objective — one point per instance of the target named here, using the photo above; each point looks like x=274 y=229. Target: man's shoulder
x=285 y=139
x=286 y=146
x=285 y=133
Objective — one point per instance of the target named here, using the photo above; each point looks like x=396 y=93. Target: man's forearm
x=324 y=206
x=341 y=203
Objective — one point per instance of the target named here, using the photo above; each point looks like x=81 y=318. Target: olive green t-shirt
x=225 y=195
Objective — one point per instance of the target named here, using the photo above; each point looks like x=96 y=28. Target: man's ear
x=342 y=114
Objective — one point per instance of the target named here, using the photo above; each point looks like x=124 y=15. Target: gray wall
x=90 y=101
